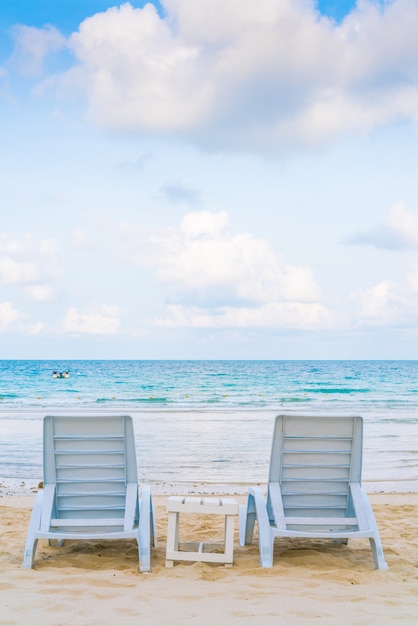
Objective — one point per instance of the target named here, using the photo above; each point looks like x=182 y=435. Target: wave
x=151 y=399
x=342 y=390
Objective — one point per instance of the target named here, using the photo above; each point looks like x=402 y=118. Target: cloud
x=388 y=303
x=215 y=278
x=102 y=321
x=179 y=193
x=32 y=47
x=134 y=165
x=8 y=315
x=80 y=238
x=29 y=262
x=40 y=293
x=15 y=272
x=204 y=259
x=284 y=315
x=48 y=247
x=13 y=319
x=8 y=245
x=411 y=280
x=35 y=329
x=399 y=231
x=245 y=75
x=204 y=224
x=376 y=303
x=27 y=245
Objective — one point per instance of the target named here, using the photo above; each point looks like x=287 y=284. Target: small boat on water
x=65 y=374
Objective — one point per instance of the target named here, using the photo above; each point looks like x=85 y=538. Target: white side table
x=203 y=551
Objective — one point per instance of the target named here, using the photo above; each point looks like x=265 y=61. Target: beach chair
x=90 y=486
x=314 y=486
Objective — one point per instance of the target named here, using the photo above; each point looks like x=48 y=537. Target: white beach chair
x=90 y=486
x=314 y=486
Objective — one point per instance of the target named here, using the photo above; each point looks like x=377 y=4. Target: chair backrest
x=90 y=460
x=314 y=459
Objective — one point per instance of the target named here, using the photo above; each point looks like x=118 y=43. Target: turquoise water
x=211 y=421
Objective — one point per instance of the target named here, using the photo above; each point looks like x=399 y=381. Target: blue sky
x=209 y=179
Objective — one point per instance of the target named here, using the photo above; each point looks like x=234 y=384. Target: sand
x=311 y=582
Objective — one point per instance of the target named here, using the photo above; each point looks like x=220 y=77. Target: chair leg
x=375 y=542
x=30 y=549
x=247 y=517
x=34 y=526
x=377 y=550
x=265 y=539
x=144 y=531
x=256 y=509
x=153 y=525
x=172 y=536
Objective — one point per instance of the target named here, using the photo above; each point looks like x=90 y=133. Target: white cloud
x=388 y=303
x=204 y=224
x=29 y=262
x=405 y=224
x=217 y=278
x=202 y=258
x=13 y=319
x=411 y=281
x=16 y=272
x=399 y=231
x=33 y=46
x=284 y=315
x=8 y=315
x=40 y=293
x=48 y=247
x=35 y=329
x=375 y=303
x=248 y=75
x=80 y=238
x=102 y=321
x=8 y=245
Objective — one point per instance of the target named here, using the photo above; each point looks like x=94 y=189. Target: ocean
x=209 y=423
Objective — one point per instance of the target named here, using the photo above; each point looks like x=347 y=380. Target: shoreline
x=23 y=487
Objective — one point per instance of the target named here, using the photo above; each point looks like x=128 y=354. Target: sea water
x=210 y=422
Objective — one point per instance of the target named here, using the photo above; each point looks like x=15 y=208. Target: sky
x=209 y=179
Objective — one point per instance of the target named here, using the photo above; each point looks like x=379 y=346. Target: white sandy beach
x=312 y=582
